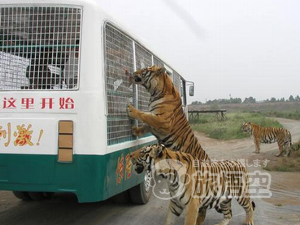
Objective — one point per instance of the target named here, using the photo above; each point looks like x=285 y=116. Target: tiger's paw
x=137 y=131
x=131 y=111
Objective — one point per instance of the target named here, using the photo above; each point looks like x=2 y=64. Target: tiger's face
x=246 y=126
x=141 y=159
x=153 y=78
x=166 y=162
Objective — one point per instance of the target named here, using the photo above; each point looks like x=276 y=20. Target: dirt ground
x=282 y=208
x=285 y=186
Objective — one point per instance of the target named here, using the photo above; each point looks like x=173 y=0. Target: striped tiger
x=197 y=185
x=269 y=135
x=166 y=119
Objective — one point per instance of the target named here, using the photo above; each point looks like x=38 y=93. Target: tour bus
x=63 y=96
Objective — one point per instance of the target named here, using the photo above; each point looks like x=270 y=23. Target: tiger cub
x=197 y=185
x=166 y=119
x=269 y=135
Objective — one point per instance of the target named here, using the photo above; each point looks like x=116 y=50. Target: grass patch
x=287 y=164
x=231 y=128
x=295 y=115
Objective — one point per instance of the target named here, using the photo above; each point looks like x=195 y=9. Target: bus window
x=157 y=61
x=119 y=56
x=183 y=92
x=177 y=82
x=39 y=48
x=143 y=59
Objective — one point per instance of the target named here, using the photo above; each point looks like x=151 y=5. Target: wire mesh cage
x=177 y=82
x=157 y=61
x=123 y=53
x=143 y=59
x=119 y=58
x=39 y=47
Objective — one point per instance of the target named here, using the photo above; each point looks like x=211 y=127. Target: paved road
x=64 y=209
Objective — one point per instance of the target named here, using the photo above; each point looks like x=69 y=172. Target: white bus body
x=63 y=97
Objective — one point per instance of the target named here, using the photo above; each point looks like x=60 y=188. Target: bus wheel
x=22 y=195
x=122 y=198
x=48 y=195
x=141 y=193
x=37 y=196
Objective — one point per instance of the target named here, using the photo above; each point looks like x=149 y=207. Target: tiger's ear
x=160 y=70
x=157 y=151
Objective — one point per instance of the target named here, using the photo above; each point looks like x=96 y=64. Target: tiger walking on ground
x=269 y=135
x=197 y=185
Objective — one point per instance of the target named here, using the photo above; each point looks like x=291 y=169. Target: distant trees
x=291 y=98
x=247 y=100
x=225 y=101
x=196 y=103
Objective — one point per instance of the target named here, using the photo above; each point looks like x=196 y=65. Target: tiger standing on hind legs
x=166 y=119
x=196 y=185
x=269 y=135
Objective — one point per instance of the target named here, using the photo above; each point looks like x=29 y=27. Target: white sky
x=237 y=47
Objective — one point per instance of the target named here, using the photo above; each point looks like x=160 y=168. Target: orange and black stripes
x=269 y=135
x=165 y=106
x=197 y=185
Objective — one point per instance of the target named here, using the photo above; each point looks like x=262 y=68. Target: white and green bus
x=63 y=97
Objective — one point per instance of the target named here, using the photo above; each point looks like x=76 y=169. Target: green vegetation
x=246 y=100
x=231 y=128
x=289 y=110
x=295 y=115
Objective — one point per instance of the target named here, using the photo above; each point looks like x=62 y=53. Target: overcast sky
x=237 y=47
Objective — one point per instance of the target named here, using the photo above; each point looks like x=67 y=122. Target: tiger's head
x=167 y=167
x=155 y=80
x=141 y=159
x=164 y=159
x=246 y=126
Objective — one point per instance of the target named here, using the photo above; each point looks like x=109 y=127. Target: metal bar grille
x=119 y=57
x=177 y=81
x=157 y=61
x=39 y=47
x=143 y=59
x=123 y=53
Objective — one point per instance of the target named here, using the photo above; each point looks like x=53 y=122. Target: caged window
x=39 y=48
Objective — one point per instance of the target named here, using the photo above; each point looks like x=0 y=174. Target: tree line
x=246 y=100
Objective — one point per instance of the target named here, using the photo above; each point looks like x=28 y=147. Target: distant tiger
x=166 y=119
x=269 y=135
x=196 y=185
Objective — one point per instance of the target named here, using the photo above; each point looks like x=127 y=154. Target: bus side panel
x=91 y=177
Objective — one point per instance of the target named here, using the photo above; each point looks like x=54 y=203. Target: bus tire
x=48 y=195
x=141 y=193
x=121 y=198
x=23 y=195
x=37 y=196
